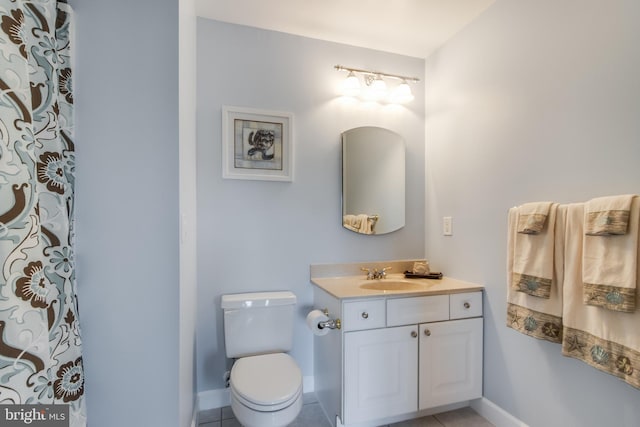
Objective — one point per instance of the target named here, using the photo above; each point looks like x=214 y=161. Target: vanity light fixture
x=351 y=85
x=401 y=94
x=375 y=86
x=378 y=88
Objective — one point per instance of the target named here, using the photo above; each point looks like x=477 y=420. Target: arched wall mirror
x=373 y=180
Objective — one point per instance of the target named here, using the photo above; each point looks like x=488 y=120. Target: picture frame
x=257 y=144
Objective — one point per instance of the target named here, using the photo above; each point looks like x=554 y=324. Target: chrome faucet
x=373 y=274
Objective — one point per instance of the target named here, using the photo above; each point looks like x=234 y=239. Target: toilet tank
x=258 y=323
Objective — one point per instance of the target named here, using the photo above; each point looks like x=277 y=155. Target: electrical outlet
x=447 y=226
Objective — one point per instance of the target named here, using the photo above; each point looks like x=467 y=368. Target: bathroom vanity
x=405 y=347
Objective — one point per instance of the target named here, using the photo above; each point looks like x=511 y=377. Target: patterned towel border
x=607 y=356
x=531 y=223
x=534 y=323
x=610 y=297
x=606 y=223
x=532 y=285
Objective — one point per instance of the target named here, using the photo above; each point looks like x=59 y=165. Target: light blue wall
x=533 y=101
x=256 y=235
x=126 y=90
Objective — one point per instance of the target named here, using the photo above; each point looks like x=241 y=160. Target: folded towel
x=537 y=317
x=609 y=265
x=361 y=223
x=532 y=217
x=348 y=222
x=533 y=257
x=606 y=340
x=364 y=224
x=607 y=215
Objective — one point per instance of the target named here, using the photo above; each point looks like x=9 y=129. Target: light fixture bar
x=377 y=73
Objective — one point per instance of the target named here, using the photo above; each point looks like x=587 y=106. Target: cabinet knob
x=467 y=305
x=365 y=315
x=427 y=332
x=414 y=334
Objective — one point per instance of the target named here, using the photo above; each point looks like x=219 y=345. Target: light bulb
x=378 y=88
x=402 y=94
x=351 y=85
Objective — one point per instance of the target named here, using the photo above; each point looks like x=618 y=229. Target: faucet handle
x=370 y=273
x=383 y=272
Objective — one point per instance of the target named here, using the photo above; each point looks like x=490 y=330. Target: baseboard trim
x=495 y=414
x=211 y=399
x=219 y=398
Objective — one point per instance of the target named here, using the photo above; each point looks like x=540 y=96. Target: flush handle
x=365 y=315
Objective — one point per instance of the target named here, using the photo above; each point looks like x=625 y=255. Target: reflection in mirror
x=373 y=180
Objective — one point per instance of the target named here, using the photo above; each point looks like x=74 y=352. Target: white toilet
x=265 y=383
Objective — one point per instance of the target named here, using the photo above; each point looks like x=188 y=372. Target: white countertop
x=350 y=286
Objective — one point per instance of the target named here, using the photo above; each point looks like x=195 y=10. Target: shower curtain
x=40 y=345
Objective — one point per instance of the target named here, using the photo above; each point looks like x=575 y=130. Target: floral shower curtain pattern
x=40 y=345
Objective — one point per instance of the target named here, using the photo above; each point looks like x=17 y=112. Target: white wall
x=188 y=266
x=256 y=235
x=126 y=92
x=532 y=101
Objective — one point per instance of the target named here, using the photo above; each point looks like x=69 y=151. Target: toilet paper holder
x=331 y=323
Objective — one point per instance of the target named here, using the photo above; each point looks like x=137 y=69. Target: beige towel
x=532 y=217
x=537 y=317
x=361 y=223
x=610 y=263
x=606 y=216
x=533 y=257
x=364 y=224
x=348 y=222
x=607 y=340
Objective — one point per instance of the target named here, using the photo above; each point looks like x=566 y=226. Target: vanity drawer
x=407 y=311
x=365 y=314
x=468 y=304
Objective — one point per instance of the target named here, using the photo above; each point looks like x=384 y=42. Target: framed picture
x=257 y=144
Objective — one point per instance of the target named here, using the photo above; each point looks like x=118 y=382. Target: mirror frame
x=374 y=169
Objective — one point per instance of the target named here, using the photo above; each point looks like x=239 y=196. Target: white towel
x=533 y=256
x=532 y=217
x=609 y=262
x=605 y=339
x=537 y=317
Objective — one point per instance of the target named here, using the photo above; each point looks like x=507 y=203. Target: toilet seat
x=268 y=382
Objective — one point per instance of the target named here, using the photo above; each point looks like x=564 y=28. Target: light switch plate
x=447 y=226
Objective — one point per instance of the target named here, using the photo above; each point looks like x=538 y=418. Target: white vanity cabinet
x=400 y=357
x=450 y=365
x=381 y=373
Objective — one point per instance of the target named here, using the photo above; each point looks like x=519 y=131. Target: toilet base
x=251 y=418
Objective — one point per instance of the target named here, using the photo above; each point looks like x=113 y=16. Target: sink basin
x=392 y=285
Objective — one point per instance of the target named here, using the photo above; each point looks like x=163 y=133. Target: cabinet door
x=380 y=373
x=450 y=366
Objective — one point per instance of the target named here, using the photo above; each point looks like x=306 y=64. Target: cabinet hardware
x=467 y=305
x=414 y=334
x=427 y=332
x=365 y=315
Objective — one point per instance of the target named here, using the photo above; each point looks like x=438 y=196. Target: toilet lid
x=268 y=379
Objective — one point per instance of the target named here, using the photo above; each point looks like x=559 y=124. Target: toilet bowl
x=266 y=390
x=265 y=382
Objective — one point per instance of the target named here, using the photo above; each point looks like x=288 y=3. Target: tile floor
x=312 y=415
